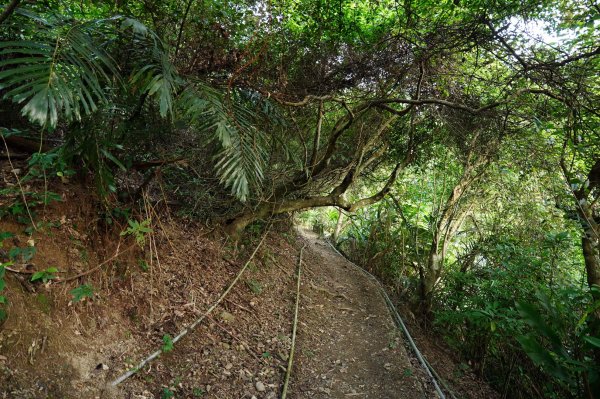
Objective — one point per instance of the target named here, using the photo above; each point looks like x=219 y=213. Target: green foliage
x=24 y=254
x=3 y=299
x=143 y=265
x=138 y=230
x=15 y=205
x=67 y=69
x=4 y=235
x=50 y=163
x=254 y=286
x=167 y=394
x=167 y=343
x=81 y=292
x=498 y=123
x=45 y=275
x=61 y=71
x=234 y=121
x=556 y=347
x=64 y=68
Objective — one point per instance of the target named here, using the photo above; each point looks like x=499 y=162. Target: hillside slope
x=145 y=293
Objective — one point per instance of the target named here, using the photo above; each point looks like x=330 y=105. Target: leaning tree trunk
x=590 y=245
x=338 y=226
x=234 y=227
x=336 y=198
x=589 y=220
x=449 y=222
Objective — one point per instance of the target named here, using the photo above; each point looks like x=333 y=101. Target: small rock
x=228 y=366
x=260 y=387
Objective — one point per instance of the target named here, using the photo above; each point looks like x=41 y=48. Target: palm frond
x=61 y=71
x=241 y=161
x=154 y=74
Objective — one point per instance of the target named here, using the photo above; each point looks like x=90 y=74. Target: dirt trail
x=348 y=346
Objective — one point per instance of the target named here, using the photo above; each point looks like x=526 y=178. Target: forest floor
x=53 y=347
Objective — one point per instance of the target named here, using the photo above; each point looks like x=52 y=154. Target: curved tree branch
x=8 y=10
x=180 y=34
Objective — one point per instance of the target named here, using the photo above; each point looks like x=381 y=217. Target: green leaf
x=593 y=340
x=113 y=159
x=143 y=265
x=45 y=275
x=167 y=394
x=83 y=291
x=135 y=25
x=37 y=275
x=5 y=235
x=25 y=253
x=167 y=343
x=537 y=353
x=533 y=317
x=57 y=73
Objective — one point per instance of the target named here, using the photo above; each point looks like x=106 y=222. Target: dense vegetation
x=452 y=147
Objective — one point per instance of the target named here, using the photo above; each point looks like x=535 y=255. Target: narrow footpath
x=348 y=345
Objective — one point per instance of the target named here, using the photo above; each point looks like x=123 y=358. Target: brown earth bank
x=146 y=292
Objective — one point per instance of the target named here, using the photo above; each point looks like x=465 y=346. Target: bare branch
x=313 y=158
x=383 y=192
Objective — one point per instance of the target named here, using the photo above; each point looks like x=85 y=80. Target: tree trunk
x=8 y=10
x=447 y=225
x=430 y=278
x=336 y=198
x=592 y=262
x=234 y=227
x=338 y=226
